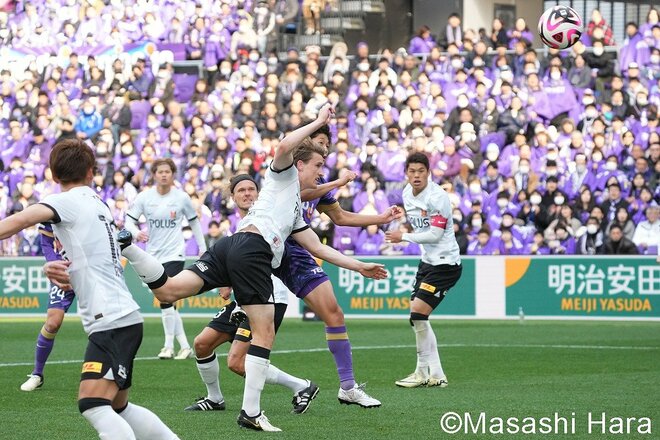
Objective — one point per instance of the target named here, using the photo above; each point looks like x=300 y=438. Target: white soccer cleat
x=413 y=380
x=184 y=353
x=437 y=382
x=34 y=381
x=357 y=396
x=166 y=353
x=257 y=423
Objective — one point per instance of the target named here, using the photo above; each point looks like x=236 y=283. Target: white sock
x=169 y=322
x=108 y=424
x=145 y=265
x=179 y=331
x=145 y=424
x=209 y=370
x=278 y=377
x=256 y=369
x=435 y=367
x=423 y=335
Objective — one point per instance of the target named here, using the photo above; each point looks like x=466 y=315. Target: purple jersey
x=323 y=204
x=57 y=298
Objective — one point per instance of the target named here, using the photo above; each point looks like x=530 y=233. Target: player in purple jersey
x=303 y=276
x=59 y=301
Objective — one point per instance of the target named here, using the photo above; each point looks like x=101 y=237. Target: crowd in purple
x=540 y=152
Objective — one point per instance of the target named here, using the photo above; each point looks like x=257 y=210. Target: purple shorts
x=59 y=299
x=299 y=271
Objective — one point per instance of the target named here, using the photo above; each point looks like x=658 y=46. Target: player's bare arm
x=284 y=153
x=310 y=194
x=341 y=217
x=310 y=241
x=30 y=216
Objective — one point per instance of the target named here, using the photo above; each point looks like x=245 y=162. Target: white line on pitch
x=385 y=347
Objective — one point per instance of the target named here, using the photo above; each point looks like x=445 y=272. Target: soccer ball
x=560 y=27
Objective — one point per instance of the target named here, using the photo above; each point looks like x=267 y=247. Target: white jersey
x=84 y=226
x=280 y=292
x=432 y=207
x=277 y=212
x=164 y=214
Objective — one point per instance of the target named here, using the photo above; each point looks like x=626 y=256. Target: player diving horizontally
x=110 y=317
x=429 y=212
x=222 y=328
x=255 y=250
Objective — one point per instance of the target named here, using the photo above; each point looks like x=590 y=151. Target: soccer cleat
x=303 y=398
x=206 y=404
x=413 y=380
x=258 y=423
x=166 y=353
x=125 y=238
x=184 y=353
x=437 y=382
x=357 y=396
x=34 y=381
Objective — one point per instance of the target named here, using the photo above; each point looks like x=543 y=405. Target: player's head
x=308 y=158
x=417 y=171
x=322 y=137
x=244 y=191
x=72 y=162
x=163 y=171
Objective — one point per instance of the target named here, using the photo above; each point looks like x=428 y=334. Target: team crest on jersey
x=201 y=266
x=172 y=214
x=423 y=213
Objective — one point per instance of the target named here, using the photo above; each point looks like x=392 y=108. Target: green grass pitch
x=505 y=369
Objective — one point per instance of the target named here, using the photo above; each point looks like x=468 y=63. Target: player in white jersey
x=164 y=208
x=429 y=212
x=246 y=259
x=223 y=328
x=111 y=318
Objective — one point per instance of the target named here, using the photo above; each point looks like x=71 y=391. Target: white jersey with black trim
x=432 y=207
x=277 y=212
x=164 y=214
x=280 y=291
x=84 y=226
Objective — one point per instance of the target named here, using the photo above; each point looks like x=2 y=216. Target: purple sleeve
x=48 y=243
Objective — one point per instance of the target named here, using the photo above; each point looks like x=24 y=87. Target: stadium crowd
x=541 y=152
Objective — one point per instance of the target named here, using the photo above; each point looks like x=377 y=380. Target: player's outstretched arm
x=309 y=194
x=310 y=241
x=341 y=217
x=284 y=153
x=30 y=216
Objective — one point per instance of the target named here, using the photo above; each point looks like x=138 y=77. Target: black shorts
x=433 y=282
x=242 y=261
x=221 y=323
x=172 y=269
x=110 y=355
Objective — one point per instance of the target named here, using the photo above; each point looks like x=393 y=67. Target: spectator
x=622 y=219
x=613 y=202
x=498 y=35
x=597 y=25
x=634 y=49
x=617 y=244
x=370 y=241
x=520 y=33
x=422 y=42
x=453 y=31
x=561 y=242
x=264 y=23
x=591 y=240
x=647 y=232
x=311 y=10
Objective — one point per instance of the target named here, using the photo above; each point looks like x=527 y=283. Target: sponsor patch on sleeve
x=243 y=332
x=92 y=367
x=427 y=287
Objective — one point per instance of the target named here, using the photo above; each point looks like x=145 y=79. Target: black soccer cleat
x=258 y=423
x=303 y=398
x=206 y=404
x=125 y=239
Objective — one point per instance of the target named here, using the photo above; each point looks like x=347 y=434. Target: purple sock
x=340 y=347
x=43 y=349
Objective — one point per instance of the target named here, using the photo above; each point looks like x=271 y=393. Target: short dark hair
x=324 y=129
x=158 y=162
x=418 y=158
x=71 y=160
